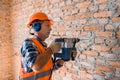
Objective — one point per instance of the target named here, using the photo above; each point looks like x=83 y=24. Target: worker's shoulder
x=27 y=41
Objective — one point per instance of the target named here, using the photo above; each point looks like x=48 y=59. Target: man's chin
x=46 y=36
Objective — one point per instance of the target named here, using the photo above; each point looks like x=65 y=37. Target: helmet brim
x=51 y=22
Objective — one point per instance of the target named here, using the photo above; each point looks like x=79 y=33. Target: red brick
x=46 y=3
x=62 y=73
x=100 y=1
x=75 y=11
x=75 y=0
x=83 y=21
x=79 y=28
x=83 y=33
x=38 y=5
x=116 y=48
x=91 y=53
x=55 y=1
x=61 y=33
x=69 y=33
x=71 y=71
x=86 y=15
x=82 y=56
x=76 y=33
x=56 y=76
x=99 y=41
x=86 y=64
x=117 y=2
x=56 y=10
x=109 y=27
x=69 y=28
x=89 y=71
x=100 y=48
x=65 y=8
x=116 y=19
x=68 y=64
x=61 y=28
x=102 y=14
x=69 y=17
x=102 y=6
x=83 y=4
x=95 y=72
x=75 y=78
x=114 y=64
x=83 y=45
x=103 y=68
x=56 y=36
x=92 y=28
x=103 y=34
x=82 y=69
x=103 y=21
x=63 y=68
x=86 y=75
x=107 y=55
x=91 y=59
x=82 y=10
x=118 y=34
x=99 y=73
x=92 y=8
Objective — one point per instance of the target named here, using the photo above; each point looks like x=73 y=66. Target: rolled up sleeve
x=29 y=53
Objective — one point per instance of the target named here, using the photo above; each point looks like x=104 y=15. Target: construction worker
x=36 y=57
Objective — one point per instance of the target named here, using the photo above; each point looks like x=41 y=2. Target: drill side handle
x=76 y=40
x=59 y=40
x=57 y=55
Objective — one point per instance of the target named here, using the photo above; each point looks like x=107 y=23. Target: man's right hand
x=55 y=46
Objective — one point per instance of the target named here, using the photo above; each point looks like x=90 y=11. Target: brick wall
x=95 y=22
x=5 y=40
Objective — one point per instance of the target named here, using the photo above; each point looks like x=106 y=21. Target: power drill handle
x=75 y=41
x=59 y=40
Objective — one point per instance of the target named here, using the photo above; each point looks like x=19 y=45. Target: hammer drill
x=68 y=46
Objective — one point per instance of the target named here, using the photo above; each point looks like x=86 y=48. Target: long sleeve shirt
x=29 y=54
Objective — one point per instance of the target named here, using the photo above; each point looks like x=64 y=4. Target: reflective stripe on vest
x=37 y=76
x=45 y=72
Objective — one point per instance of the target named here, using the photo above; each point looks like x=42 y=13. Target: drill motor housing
x=68 y=45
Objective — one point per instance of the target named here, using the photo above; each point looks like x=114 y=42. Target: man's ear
x=36 y=26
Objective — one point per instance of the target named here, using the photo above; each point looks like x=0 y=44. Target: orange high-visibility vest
x=45 y=73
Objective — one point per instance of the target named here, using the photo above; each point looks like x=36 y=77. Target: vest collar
x=40 y=40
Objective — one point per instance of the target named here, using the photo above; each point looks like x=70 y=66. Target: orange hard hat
x=39 y=16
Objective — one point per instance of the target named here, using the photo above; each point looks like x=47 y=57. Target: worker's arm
x=42 y=59
x=32 y=58
x=58 y=64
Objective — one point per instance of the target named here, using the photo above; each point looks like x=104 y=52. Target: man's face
x=45 y=29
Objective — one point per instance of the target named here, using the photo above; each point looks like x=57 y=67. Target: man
x=36 y=60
